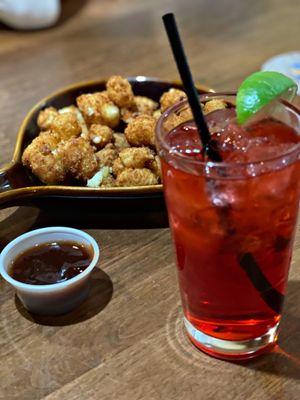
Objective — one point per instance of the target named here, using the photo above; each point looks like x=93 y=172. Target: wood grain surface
x=126 y=342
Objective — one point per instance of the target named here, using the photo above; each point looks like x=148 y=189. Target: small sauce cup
x=56 y=298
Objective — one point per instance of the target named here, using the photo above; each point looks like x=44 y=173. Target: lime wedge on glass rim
x=260 y=89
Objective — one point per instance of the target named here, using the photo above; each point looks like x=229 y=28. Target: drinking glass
x=233 y=227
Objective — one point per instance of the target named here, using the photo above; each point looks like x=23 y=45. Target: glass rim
x=185 y=158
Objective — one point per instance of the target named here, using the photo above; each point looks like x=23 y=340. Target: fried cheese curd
x=107 y=139
x=155 y=166
x=46 y=117
x=171 y=97
x=213 y=105
x=97 y=108
x=136 y=177
x=79 y=158
x=176 y=119
x=44 y=158
x=65 y=124
x=119 y=91
x=74 y=110
x=141 y=131
x=106 y=156
x=142 y=105
x=100 y=135
x=136 y=157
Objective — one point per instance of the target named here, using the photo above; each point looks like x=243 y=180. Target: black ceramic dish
x=18 y=186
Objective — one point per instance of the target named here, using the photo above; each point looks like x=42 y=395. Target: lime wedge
x=259 y=89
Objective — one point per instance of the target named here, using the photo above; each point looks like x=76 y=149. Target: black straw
x=188 y=84
x=269 y=294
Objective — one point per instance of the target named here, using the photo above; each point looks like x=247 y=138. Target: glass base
x=232 y=350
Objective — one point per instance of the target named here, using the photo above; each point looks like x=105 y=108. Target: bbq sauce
x=50 y=263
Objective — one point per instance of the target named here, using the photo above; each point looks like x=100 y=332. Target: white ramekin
x=57 y=298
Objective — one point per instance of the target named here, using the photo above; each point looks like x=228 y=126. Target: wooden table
x=127 y=341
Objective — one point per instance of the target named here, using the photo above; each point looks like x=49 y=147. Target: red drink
x=233 y=226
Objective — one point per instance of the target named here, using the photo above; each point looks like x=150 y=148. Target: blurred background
x=225 y=40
